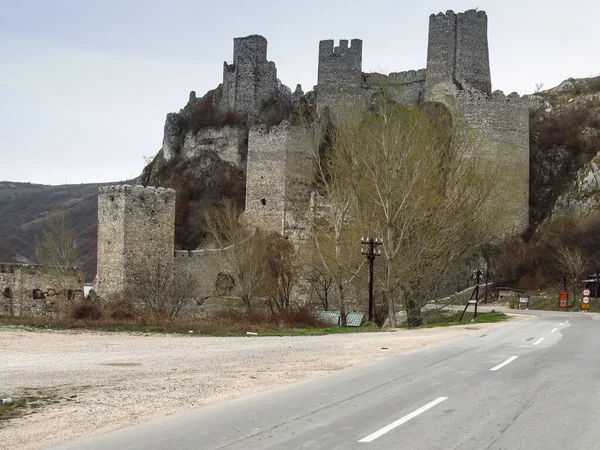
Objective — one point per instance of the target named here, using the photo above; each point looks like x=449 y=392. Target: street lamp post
x=371 y=249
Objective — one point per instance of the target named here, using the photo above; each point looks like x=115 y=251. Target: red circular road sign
x=586 y=292
x=586 y=299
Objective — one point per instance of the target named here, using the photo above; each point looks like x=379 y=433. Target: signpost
x=585 y=302
x=563 y=300
x=524 y=301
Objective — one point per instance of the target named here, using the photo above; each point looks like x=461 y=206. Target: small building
x=509 y=294
x=36 y=290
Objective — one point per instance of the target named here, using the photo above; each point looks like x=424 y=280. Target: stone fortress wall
x=280 y=165
x=35 y=290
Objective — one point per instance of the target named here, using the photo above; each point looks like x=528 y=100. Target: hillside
x=23 y=207
x=564 y=149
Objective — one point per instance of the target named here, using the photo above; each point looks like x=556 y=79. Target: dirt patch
x=103 y=381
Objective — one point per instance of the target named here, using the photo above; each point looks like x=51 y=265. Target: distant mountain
x=23 y=209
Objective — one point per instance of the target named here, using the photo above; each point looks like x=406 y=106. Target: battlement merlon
x=409 y=76
x=327 y=49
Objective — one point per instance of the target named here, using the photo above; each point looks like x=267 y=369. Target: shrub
x=205 y=114
x=86 y=310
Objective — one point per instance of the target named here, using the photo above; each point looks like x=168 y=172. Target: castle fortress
x=136 y=223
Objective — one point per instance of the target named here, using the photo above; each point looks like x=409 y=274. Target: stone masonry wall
x=501 y=129
x=34 y=290
x=410 y=86
x=136 y=229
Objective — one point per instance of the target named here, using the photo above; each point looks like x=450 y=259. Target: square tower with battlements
x=339 y=73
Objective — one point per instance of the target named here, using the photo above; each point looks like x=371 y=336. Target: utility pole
x=370 y=250
x=477 y=276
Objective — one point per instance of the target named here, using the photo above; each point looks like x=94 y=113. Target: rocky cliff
x=565 y=151
x=204 y=152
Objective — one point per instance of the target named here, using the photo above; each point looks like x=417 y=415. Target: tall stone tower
x=279 y=180
x=340 y=73
x=457 y=55
x=136 y=232
x=251 y=80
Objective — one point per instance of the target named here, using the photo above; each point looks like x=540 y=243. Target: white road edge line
x=500 y=366
x=561 y=324
x=404 y=419
x=553 y=330
x=538 y=341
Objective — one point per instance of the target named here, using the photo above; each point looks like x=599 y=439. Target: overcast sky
x=85 y=84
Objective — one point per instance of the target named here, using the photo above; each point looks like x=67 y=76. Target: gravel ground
x=104 y=381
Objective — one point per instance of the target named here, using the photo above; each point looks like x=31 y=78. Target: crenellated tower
x=251 y=80
x=340 y=72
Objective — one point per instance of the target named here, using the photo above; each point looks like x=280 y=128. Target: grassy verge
x=236 y=323
x=550 y=303
x=365 y=328
x=450 y=318
x=28 y=402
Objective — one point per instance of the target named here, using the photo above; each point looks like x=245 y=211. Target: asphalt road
x=532 y=384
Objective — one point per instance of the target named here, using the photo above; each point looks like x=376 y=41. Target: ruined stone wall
x=136 y=229
x=251 y=81
x=339 y=74
x=500 y=125
x=409 y=86
x=34 y=290
x=279 y=179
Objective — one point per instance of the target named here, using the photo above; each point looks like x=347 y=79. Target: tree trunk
x=413 y=313
x=342 y=306
x=390 y=282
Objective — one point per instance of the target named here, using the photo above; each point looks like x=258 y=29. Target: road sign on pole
x=585 y=301
x=563 y=300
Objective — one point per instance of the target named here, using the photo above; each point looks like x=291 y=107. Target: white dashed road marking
x=404 y=419
x=500 y=366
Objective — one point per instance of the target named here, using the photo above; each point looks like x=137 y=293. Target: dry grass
x=224 y=323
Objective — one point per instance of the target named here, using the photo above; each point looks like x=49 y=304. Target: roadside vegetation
x=289 y=322
x=29 y=401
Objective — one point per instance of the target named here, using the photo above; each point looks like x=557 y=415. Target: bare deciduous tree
x=56 y=248
x=321 y=283
x=282 y=268
x=161 y=295
x=408 y=177
x=245 y=251
x=572 y=264
x=336 y=232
